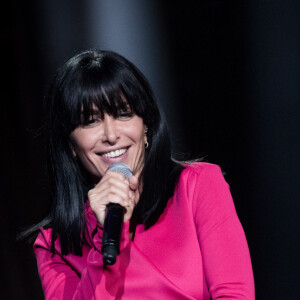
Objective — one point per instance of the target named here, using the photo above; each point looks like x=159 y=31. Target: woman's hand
x=114 y=188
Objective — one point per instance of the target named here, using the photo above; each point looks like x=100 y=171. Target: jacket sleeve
x=226 y=258
x=61 y=279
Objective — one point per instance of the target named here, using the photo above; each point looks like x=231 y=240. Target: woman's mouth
x=116 y=153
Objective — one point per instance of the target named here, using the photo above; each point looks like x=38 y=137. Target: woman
x=181 y=237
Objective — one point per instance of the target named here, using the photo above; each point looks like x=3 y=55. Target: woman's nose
x=111 y=132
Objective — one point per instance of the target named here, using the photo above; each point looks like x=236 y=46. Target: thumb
x=133 y=182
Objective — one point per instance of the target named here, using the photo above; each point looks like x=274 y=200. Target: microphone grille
x=121 y=168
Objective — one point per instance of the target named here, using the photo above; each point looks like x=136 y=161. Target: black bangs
x=115 y=93
x=98 y=103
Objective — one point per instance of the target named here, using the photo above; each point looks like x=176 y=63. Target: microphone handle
x=112 y=232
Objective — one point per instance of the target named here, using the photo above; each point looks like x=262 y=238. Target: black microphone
x=113 y=222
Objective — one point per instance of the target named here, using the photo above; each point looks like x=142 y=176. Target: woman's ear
x=73 y=152
x=146 y=138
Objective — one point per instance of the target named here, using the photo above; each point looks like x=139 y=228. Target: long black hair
x=102 y=79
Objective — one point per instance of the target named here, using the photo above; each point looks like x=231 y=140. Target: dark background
x=226 y=74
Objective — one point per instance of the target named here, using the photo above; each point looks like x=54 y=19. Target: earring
x=146 y=130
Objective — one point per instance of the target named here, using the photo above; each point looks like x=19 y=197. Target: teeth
x=115 y=153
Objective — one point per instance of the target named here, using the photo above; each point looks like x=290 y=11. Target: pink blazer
x=196 y=250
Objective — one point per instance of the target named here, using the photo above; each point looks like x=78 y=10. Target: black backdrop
x=232 y=84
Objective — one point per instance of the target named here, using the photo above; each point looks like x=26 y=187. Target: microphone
x=113 y=222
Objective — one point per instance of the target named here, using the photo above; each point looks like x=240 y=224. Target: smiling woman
x=179 y=217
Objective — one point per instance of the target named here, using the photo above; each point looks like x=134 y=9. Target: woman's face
x=110 y=140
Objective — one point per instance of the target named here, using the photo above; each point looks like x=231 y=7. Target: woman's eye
x=91 y=122
x=125 y=113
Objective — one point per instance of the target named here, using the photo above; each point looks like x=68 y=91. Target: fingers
x=113 y=188
x=129 y=211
